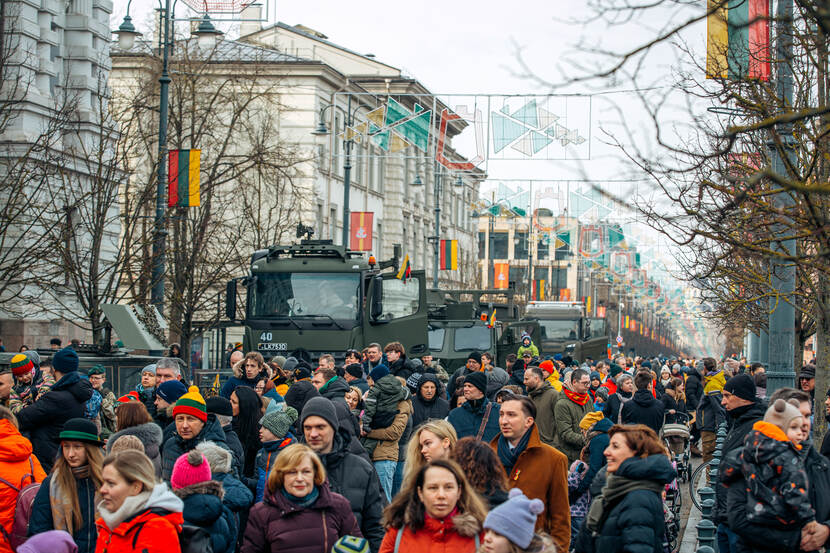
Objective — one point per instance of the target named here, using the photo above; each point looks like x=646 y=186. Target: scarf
x=616 y=487
x=302 y=502
x=509 y=457
x=475 y=404
x=579 y=399
x=61 y=504
x=131 y=506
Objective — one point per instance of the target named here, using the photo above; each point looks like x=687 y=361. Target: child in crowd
x=381 y=403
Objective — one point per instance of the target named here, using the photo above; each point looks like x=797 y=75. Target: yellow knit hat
x=590 y=419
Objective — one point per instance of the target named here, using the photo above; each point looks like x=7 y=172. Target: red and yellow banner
x=538 y=292
x=360 y=230
x=183 y=178
x=449 y=255
x=501 y=276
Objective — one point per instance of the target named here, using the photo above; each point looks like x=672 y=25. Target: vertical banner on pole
x=449 y=255
x=360 y=231
x=501 y=276
x=183 y=168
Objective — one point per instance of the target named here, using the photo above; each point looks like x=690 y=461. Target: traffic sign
x=619 y=340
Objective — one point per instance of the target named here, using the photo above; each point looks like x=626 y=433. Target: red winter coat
x=156 y=534
x=451 y=535
x=15 y=452
x=278 y=526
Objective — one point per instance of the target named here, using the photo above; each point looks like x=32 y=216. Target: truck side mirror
x=377 y=298
x=230 y=300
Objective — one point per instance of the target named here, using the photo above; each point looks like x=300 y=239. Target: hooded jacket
x=467 y=420
x=635 y=523
x=426 y=409
x=399 y=368
x=16 y=463
x=152 y=528
x=279 y=526
x=643 y=409
x=150 y=435
x=453 y=534
x=44 y=419
x=203 y=507
x=354 y=477
x=694 y=389
x=238 y=497
x=545 y=399
x=176 y=446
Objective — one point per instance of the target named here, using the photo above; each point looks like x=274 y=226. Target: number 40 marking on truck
x=266 y=336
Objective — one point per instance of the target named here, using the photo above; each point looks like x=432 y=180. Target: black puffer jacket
x=150 y=435
x=42 y=421
x=741 y=420
x=635 y=523
x=336 y=392
x=694 y=389
x=175 y=446
x=643 y=408
x=435 y=408
x=354 y=478
x=400 y=368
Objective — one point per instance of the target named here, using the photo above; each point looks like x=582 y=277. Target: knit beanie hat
x=65 y=360
x=590 y=419
x=33 y=356
x=302 y=371
x=128 y=397
x=289 y=364
x=219 y=405
x=149 y=369
x=602 y=393
x=515 y=519
x=190 y=468
x=477 y=379
x=191 y=403
x=595 y=375
x=321 y=407
x=279 y=422
x=21 y=365
x=782 y=412
x=379 y=372
x=171 y=391
x=547 y=366
x=350 y=544
x=475 y=356
x=53 y=541
x=279 y=360
x=355 y=369
x=614 y=370
x=125 y=442
x=742 y=386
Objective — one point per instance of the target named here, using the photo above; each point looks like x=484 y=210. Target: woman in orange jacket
x=437 y=511
x=138 y=514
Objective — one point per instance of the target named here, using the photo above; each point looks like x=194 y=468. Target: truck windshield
x=332 y=295
x=559 y=330
x=472 y=338
x=598 y=328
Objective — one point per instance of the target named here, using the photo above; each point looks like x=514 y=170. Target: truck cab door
x=397 y=312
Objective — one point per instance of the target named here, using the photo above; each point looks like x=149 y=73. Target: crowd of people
x=386 y=453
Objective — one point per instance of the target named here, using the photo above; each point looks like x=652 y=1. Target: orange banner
x=501 y=276
x=360 y=231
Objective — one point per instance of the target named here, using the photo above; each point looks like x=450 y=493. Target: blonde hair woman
x=299 y=512
x=434 y=439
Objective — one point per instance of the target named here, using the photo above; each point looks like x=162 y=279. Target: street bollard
x=704 y=549
x=706 y=508
x=714 y=467
x=706 y=530
x=706 y=493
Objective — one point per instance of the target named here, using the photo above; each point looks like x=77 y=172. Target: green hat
x=97 y=369
x=80 y=430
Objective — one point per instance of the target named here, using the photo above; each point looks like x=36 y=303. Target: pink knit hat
x=190 y=468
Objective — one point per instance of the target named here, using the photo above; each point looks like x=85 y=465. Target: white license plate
x=273 y=346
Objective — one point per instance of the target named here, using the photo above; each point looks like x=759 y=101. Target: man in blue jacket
x=478 y=416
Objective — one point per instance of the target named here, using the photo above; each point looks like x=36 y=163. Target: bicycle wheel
x=695 y=484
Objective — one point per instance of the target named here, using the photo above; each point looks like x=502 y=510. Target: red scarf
x=579 y=399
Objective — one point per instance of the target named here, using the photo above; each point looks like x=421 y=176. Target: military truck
x=325 y=298
x=565 y=328
x=459 y=323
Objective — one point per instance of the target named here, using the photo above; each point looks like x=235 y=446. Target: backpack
x=23 y=507
x=192 y=539
x=93 y=405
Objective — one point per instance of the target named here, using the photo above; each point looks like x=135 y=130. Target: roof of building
x=225 y=51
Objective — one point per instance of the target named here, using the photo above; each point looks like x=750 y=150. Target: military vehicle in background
x=325 y=298
x=460 y=322
x=565 y=328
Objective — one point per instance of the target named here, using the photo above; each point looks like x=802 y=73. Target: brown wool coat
x=541 y=472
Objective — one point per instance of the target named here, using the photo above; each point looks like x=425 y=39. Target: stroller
x=677 y=437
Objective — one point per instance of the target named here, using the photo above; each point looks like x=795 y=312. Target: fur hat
x=219 y=458
x=190 y=468
x=515 y=519
x=782 y=412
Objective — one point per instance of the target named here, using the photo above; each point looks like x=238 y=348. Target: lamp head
x=127 y=34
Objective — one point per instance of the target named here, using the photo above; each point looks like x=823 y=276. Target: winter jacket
x=545 y=399
x=541 y=472
x=16 y=463
x=237 y=379
x=710 y=412
x=635 y=523
x=598 y=440
x=764 y=538
x=383 y=397
x=388 y=438
x=44 y=419
x=40 y=519
x=360 y=384
x=175 y=447
x=671 y=404
x=203 y=507
x=435 y=408
x=466 y=420
x=568 y=415
x=265 y=458
x=451 y=535
x=147 y=396
x=150 y=435
x=399 y=368
x=153 y=528
x=238 y=498
x=24 y=395
x=694 y=389
x=776 y=478
x=496 y=380
x=106 y=416
x=354 y=477
x=643 y=409
x=531 y=347
x=741 y=419
x=235 y=445
x=279 y=526
x=613 y=407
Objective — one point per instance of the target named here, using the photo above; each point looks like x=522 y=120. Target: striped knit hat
x=192 y=403
x=21 y=364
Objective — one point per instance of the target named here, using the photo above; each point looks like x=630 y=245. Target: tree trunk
x=822 y=341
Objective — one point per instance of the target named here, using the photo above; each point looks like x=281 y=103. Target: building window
x=520 y=245
x=542 y=248
x=499 y=242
